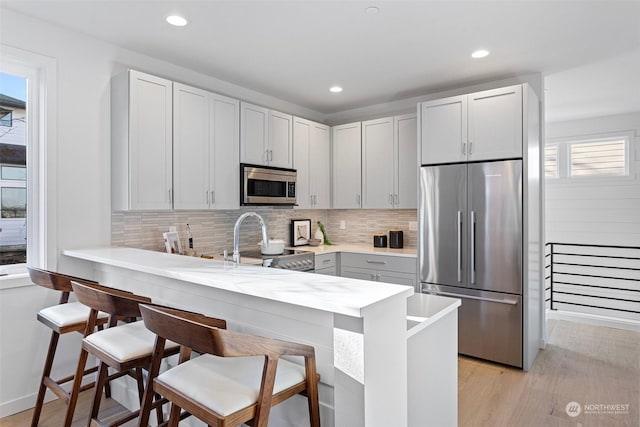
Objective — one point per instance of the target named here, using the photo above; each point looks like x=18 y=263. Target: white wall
x=605 y=211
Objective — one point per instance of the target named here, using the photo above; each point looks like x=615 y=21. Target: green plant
x=324 y=234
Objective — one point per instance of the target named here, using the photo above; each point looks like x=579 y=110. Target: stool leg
x=174 y=418
x=75 y=390
x=97 y=396
x=46 y=372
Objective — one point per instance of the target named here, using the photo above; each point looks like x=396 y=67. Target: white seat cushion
x=228 y=384
x=68 y=314
x=126 y=342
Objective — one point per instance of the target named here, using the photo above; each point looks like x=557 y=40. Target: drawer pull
x=370 y=261
x=326 y=260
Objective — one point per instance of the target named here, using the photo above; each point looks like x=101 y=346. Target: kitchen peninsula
x=358 y=328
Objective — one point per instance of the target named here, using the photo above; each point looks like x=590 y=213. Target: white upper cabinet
x=280 y=144
x=444 y=130
x=141 y=142
x=320 y=166
x=480 y=126
x=389 y=166
x=190 y=147
x=265 y=136
x=495 y=124
x=224 y=138
x=346 y=168
x=405 y=142
x=205 y=150
x=311 y=149
x=377 y=164
x=254 y=134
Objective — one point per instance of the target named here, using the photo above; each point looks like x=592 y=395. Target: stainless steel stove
x=288 y=260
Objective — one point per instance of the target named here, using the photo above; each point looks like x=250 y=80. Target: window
x=606 y=157
x=13 y=173
x=5 y=117
x=28 y=163
x=590 y=157
x=551 y=161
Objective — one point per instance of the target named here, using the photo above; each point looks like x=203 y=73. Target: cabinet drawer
x=326 y=261
x=379 y=262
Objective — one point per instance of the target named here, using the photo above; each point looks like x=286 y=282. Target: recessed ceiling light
x=335 y=89
x=176 y=20
x=480 y=53
x=372 y=10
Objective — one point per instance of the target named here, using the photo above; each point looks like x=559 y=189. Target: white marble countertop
x=359 y=248
x=341 y=295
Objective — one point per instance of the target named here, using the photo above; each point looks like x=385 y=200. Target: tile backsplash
x=212 y=231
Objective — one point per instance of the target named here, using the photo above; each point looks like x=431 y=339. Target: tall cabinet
x=311 y=159
x=141 y=134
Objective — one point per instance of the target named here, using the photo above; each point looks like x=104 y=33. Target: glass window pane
x=16 y=173
x=598 y=158
x=13 y=202
x=551 y=161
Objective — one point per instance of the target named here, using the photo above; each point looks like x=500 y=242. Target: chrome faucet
x=236 y=234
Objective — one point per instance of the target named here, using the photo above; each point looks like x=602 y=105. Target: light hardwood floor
x=582 y=363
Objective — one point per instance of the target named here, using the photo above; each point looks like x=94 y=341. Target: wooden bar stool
x=126 y=348
x=61 y=319
x=237 y=378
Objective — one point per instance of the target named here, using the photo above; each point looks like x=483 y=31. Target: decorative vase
x=318 y=235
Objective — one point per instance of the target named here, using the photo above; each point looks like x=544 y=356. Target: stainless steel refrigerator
x=470 y=247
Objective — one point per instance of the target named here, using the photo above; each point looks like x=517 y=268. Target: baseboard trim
x=593 y=319
x=22 y=404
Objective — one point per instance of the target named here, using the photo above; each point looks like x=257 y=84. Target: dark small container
x=396 y=240
x=379 y=240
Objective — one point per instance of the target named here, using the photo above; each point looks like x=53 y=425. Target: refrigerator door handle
x=473 y=247
x=449 y=294
x=459 y=228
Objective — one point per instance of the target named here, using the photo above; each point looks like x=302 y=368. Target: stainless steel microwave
x=267 y=186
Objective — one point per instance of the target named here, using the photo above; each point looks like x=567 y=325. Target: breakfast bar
x=358 y=328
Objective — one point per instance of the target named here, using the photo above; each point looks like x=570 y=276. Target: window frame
x=41 y=128
x=564 y=158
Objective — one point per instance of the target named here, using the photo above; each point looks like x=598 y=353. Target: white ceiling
x=296 y=50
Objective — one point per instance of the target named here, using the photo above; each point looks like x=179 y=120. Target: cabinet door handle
x=324 y=261
x=464 y=148
x=213 y=196
x=358 y=199
x=391 y=199
x=396 y=199
x=170 y=196
x=270 y=155
x=207 y=195
x=370 y=261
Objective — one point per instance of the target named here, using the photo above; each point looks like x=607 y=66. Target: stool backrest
x=116 y=303
x=188 y=329
x=55 y=281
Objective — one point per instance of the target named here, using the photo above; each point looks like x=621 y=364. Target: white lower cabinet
x=379 y=268
x=327 y=264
